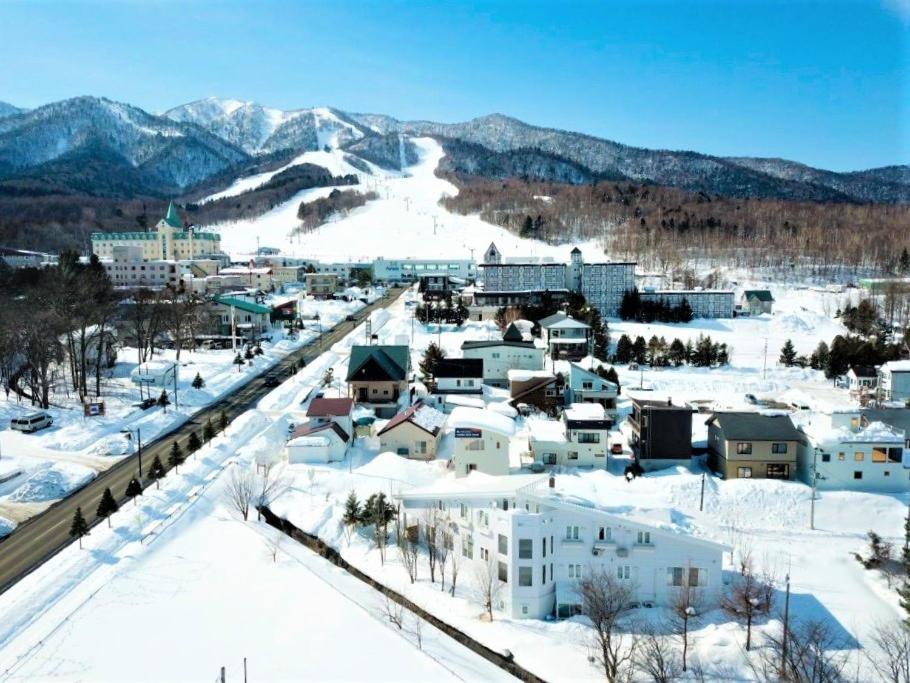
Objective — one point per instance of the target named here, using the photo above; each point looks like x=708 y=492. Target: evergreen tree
x=238 y=361
x=684 y=313
x=223 y=421
x=904 y=590
x=193 y=443
x=79 y=527
x=677 y=353
x=107 y=506
x=248 y=353
x=526 y=231
x=352 y=512
x=198 y=382
x=690 y=350
x=723 y=355
x=431 y=357
x=258 y=350
x=820 y=357
x=904 y=263
x=787 y=354
x=133 y=489
x=176 y=458
x=163 y=400
x=624 y=349
x=639 y=350
x=208 y=431
x=156 y=472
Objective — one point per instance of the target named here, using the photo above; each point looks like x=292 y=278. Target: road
x=35 y=541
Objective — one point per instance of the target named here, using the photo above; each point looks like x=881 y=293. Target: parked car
x=351 y=318
x=272 y=381
x=146 y=403
x=31 y=422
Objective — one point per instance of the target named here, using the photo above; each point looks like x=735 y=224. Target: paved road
x=35 y=541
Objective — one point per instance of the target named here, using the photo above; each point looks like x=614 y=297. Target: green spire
x=173 y=216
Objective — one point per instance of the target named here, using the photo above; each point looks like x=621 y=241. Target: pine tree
x=198 y=382
x=248 y=354
x=175 y=459
x=639 y=350
x=163 y=400
x=819 y=358
x=223 y=421
x=79 y=527
x=133 y=489
x=787 y=354
x=677 y=353
x=624 y=349
x=208 y=431
x=239 y=362
x=431 y=357
x=904 y=590
x=904 y=263
x=156 y=472
x=258 y=350
x=193 y=443
x=352 y=512
x=107 y=506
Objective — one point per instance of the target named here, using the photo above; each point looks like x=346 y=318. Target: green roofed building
x=250 y=319
x=170 y=241
x=378 y=377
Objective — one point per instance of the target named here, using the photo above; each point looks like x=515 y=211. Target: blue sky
x=825 y=83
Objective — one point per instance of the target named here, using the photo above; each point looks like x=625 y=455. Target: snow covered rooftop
x=468 y=401
x=546 y=430
x=524 y=375
x=427 y=418
x=897 y=366
x=476 y=483
x=475 y=418
x=309 y=442
x=585 y=411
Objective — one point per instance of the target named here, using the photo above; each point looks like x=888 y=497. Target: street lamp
x=128 y=433
x=815 y=479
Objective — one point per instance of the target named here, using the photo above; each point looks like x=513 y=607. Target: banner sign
x=468 y=433
x=93 y=409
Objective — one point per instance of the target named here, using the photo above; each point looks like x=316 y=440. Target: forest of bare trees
x=666 y=228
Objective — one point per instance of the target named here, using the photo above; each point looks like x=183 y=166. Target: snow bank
x=50 y=481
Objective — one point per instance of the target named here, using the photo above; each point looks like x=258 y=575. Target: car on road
x=351 y=318
x=31 y=422
x=272 y=381
x=146 y=403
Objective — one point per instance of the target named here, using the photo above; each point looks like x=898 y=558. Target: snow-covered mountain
x=94 y=144
x=258 y=129
x=7 y=109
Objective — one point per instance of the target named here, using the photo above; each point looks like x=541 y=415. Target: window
x=571 y=533
x=778 y=448
x=895 y=454
x=525 y=548
x=524 y=576
x=694 y=577
x=484 y=554
x=503 y=545
x=777 y=471
x=605 y=533
x=543 y=574
x=644 y=538
x=623 y=572
x=879 y=454
x=588 y=437
x=826 y=457
x=544 y=546
x=572 y=455
x=841 y=456
x=574 y=571
x=503 y=572
x=744 y=472
x=857 y=475
x=524 y=609
x=587 y=385
x=474 y=445
x=675 y=576
x=744 y=448
x=859 y=456
x=463 y=510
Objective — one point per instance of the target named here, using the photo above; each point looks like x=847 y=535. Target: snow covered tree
x=163 y=400
x=176 y=458
x=208 y=431
x=903 y=265
x=193 y=443
x=238 y=361
x=787 y=355
x=747 y=598
x=198 y=382
x=107 y=506
x=352 y=511
x=79 y=527
x=157 y=472
x=378 y=513
x=133 y=489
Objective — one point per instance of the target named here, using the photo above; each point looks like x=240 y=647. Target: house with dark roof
x=861 y=379
x=756 y=301
x=413 y=433
x=512 y=352
x=337 y=410
x=661 y=432
x=459 y=376
x=378 y=376
x=538 y=388
x=743 y=445
x=249 y=318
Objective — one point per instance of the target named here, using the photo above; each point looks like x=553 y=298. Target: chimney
x=552 y=482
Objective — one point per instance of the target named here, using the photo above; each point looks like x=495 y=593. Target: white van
x=31 y=422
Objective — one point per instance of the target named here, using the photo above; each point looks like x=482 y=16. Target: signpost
x=93 y=409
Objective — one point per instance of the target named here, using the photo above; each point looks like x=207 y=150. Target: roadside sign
x=468 y=433
x=93 y=409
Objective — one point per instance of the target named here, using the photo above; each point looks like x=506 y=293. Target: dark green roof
x=243 y=305
x=378 y=363
x=513 y=334
x=760 y=294
x=755 y=427
x=173 y=216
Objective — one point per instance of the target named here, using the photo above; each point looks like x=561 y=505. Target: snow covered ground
x=54 y=461
x=408 y=211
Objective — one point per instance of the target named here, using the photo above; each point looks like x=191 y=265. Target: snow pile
x=525 y=375
x=428 y=418
x=51 y=481
x=474 y=418
x=541 y=429
x=6 y=527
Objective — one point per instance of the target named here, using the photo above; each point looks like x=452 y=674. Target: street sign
x=93 y=409
x=468 y=433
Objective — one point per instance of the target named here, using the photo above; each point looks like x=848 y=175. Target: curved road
x=38 y=539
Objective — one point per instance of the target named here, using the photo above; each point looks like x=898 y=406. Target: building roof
x=576 y=371
x=312 y=429
x=475 y=484
x=423 y=416
x=458 y=367
x=478 y=418
x=567 y=323
x=330 y=407
x=492 y=343
x=512 y=334
x=897 y=366
x=378 y=363
x=863 y=370
x=756 y=426
x=173 y=216
x=575 y=250
x=243 y=305
x=528 y=387
x=761 y=294
x=899 y=418
x=550 y=319
x=583 y=412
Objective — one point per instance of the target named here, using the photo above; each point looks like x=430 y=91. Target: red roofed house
x=413 y=433
x=338 y=410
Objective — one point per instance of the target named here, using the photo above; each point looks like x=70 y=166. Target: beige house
x=378 y=377
x=321 y=285
x=413 y=433
x=752 y=445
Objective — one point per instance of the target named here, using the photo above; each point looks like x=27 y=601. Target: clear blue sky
x=825 y=83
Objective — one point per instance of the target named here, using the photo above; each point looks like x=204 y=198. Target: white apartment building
x=539 y=544
x=894 y=380
x=128 y=268
x=523 y=277
x=512 y=352
x=482 y=441
x=409 y=270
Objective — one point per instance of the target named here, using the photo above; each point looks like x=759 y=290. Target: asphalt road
x=38 y=539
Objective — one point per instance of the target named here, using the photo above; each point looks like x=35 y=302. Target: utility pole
x=222 y=675
x=764 y=370
x=701 y=502
x=783 y=645
x=233 y=333
x=244 y=670
x=139 y=449
x=815 y=478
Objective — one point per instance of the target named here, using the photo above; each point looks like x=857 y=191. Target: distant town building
x=705 y=303
x=128 y=268
x=512 y=352
x=20 y=258
x=894 y=380
x=756 y=301
x=321 y=285
x=410 y=270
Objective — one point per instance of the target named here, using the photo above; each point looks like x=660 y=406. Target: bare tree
x=486 y=577
x=684 y=610
x=747 y=598
x=454 y=566
x=393 y=612
x=241 y=489
x=811 y=653
x=408 y=547
x=273 y=542
x=891 y=657
x=656 y=658
x=605 y=601
x=271 y=483
x=443 y=545
x=430 y=537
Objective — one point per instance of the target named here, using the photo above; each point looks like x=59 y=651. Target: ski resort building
x=539 y=544
x=705 y=303
x=170 y=241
